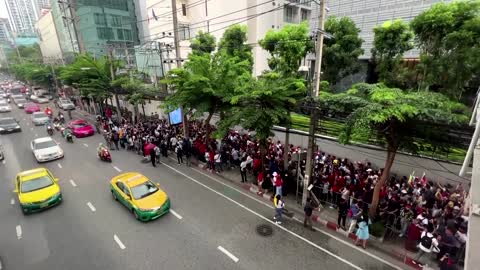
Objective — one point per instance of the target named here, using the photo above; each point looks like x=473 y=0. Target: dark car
x=20 y=103
x=8 y=125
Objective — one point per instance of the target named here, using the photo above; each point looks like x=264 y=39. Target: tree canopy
x=391 y=40
x=448 y=35
x=392 y=116
x=340 y=53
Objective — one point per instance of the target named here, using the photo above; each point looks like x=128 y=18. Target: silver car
x=4 y=106
x=66 y=104
x=39 y=118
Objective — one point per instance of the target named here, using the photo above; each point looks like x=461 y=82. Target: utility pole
x=112 y=74
x=73 y=13
x=316 y=90
x=178 y=58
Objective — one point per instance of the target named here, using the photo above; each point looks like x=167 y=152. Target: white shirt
x=217 y=158
x=434 y=242
x=243 y=165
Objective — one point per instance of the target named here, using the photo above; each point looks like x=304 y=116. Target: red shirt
x=278 y=181
x=256 y=164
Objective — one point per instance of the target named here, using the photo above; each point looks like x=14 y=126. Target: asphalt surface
x=212 y=225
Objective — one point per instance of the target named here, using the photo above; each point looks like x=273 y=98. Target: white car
x=39 y=118
x=4 y=106
x=39 y=99
x=66 y=104
x=46 y=149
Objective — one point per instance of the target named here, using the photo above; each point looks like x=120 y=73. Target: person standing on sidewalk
x=308 y=210
x=115 y=139
x=278 y=183
x=279 y=205
x=342 y=213
x=157 y=154
x=362 y=232
x=356 y=213
x=243 y=170
x=427 y=243
x=179 y=152
x=153 y=157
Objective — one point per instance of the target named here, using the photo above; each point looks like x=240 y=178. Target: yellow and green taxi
x=37 y=189
x=141 y=196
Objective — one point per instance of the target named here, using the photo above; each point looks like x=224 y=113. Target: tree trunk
x=119 y=114
x=391 y=152
x=207 y=126
x=286 y=147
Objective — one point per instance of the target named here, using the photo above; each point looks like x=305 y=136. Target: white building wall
x=369 y=13
x=49 y=43
x=261 y=17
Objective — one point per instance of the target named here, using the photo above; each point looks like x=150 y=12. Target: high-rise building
x=5 y=30
x=49 y=41
x=22 y=15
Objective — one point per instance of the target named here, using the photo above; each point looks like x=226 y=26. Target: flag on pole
x=154 y=16
x=410 y=178
x=423 y=180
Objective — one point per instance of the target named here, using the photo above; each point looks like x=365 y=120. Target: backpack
x=426 y=241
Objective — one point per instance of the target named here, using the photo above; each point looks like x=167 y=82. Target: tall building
x=215 y=16
x=5 y=30
x=22 y=15
x=49 y=41
x=108 y=25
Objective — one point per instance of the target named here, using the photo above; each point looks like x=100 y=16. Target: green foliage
x=92 y=77
x=263 y=102
x=203 y=43
x=35 y=74
x=137 y=91
x=391 y=114
x=287 y=47
x=391 y=41
x=29 y=54
x=340 y=54
x=448 y=35
x=207 y=81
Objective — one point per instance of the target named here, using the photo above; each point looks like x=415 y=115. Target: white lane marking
x=175 y=214
x=267 y=220
x=301 y=221
x=226 y=252
x=119 y=243
x=90 y=205
x=59 y=165
x=19 y=232
x=117 y=169
x=12 y=201
x=73 y=183
x=86 y=145
x=4 y=161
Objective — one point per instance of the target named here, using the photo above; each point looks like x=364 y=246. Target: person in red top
x=211 y=156
x=414 y=232
x=260 y=178
x=279 y=185
x=257 y=163
x=108 y=113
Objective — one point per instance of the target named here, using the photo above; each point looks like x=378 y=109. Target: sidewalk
x=326 y=217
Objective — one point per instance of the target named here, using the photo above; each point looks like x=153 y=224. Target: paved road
x=212 y=225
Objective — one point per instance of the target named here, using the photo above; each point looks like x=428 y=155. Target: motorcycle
x=49 y=129
x=104 y=155
x=57 y=126
x=67 y=135
x=62 y=119
x=8 y=100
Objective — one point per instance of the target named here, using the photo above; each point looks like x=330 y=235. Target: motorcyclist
x=100 y=148
x=66 y=131
x=48 y=111
x=61 y=117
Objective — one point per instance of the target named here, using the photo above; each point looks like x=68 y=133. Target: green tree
x=287 y=47
x=391 y=40
x=92 y=77
x=35 y=74
x=206 y=80
x=340 y=53
x=391 y=116
x=260 y=103
x=29 y=53
x=448 y=35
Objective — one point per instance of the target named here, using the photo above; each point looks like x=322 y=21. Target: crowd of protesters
x=428 y=215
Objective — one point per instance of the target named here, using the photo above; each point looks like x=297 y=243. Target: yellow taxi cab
x=37 y=189
x=141 y=196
